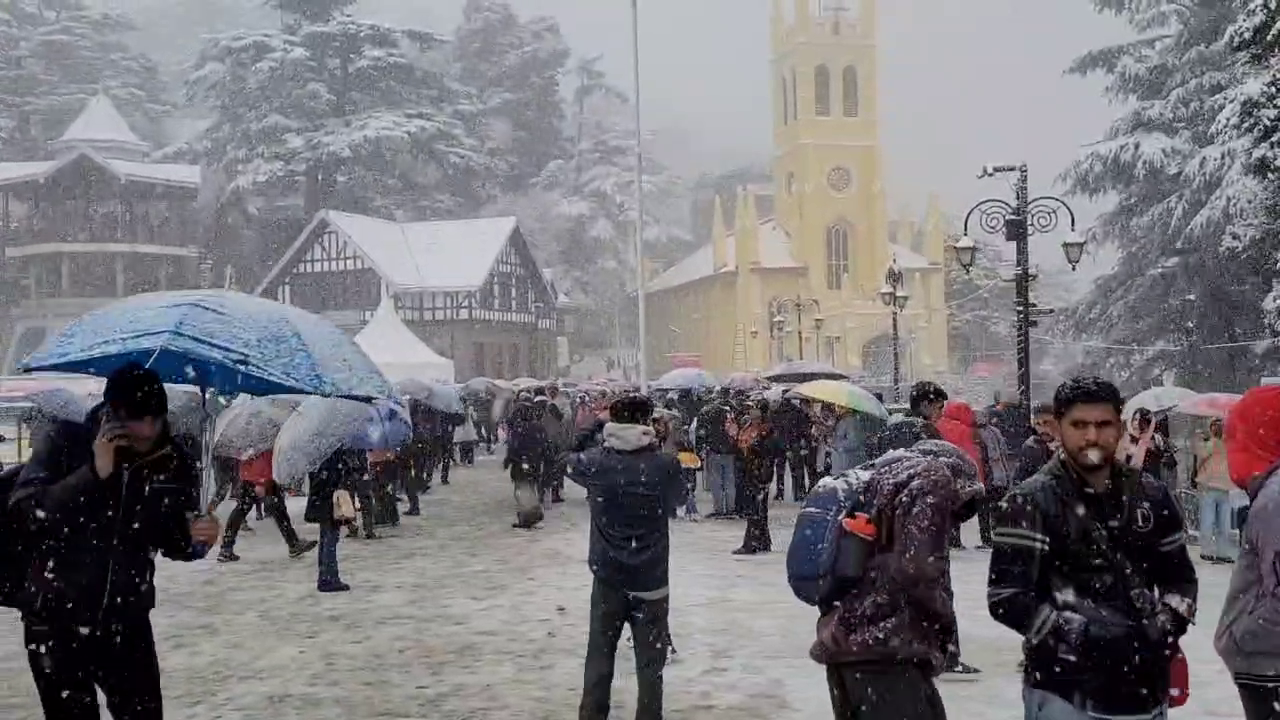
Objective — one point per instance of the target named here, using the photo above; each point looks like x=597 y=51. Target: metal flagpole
x=639 y=180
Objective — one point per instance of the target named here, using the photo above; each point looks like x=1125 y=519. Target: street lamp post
x=895 y=296
x=778 y=309
x=1018 y=221
x=639 y=181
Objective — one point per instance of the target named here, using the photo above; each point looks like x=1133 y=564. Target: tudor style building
x=470 y=289
x=94 y=222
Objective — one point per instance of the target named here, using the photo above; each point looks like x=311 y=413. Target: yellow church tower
x=804 y=282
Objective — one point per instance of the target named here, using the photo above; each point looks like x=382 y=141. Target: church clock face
x=839 y=179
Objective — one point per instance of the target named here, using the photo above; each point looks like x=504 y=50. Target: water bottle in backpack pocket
x=834 y=538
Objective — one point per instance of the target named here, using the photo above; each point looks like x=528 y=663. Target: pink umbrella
x=745 y=381
x=1212 y=405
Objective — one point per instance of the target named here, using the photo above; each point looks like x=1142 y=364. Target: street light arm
x=1042 y=214
x=992 y=213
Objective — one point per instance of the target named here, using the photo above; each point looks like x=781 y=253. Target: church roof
x=100 y=123
x=775 y=252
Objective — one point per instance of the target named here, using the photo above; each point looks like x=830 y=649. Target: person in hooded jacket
x=101 y=499
x=925 y=404
x=998 y=473
x=888 y=638
x=341 y=470
x=631 y=488
x=959 y=427
x=526 y=454
x=1248 y=633
x=1090 y=566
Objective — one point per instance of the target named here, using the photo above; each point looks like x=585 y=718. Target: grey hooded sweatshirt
x=1248 y=635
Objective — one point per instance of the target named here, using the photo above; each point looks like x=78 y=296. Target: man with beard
x=1090 y=565
x=632 y=487
x=1039 y=448
x=101 y=499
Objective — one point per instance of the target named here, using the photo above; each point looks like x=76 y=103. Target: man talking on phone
x=101 y=498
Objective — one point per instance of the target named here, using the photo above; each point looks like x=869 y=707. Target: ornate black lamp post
x=779 y=309
x=1018 y=221
x=895 y=296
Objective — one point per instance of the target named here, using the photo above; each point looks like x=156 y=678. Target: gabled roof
x=775 y=252
x=100 y=125
x=126 y=170
x=433 y=256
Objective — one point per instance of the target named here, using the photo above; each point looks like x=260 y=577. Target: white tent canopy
x=397 y=352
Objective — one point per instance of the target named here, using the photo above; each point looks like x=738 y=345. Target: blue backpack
x=825 y=560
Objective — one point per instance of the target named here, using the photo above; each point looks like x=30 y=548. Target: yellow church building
x=803 y=281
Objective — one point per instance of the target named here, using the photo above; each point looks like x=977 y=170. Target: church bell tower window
x=822 y=91
x=849 y=87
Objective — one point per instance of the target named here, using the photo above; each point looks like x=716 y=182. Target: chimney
x=719 y=238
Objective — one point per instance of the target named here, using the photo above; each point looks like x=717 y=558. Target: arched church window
x=786 y=112
x=837 y=255
x=849 y=86
x=795 y=103
x=822 y=91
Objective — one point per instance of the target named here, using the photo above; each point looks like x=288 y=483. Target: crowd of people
x=1089 y=558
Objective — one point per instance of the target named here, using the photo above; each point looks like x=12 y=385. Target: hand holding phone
x=111 y=435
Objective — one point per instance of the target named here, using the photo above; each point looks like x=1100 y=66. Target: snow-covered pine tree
x=1186 y=279
x=347 y=113
x=1255 y=118
x=513 y=68
x=980 y=304
x=54 y=58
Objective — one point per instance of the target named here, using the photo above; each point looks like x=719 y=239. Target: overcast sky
x=962 y=82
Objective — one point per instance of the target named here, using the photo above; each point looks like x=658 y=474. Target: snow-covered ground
x=456 y=616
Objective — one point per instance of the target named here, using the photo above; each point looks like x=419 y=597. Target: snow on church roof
x=100 y=123
x=435 y=256
x=775 y=252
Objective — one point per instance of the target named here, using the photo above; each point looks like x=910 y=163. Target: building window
x=822 y=91
x=849 y=87
x=786 y=112
x=795 y=102
x=837 y=256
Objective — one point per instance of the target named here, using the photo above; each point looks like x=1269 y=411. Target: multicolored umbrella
x=842 y=393
x=1210 y=405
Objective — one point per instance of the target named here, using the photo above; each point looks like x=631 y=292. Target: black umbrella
x=802 y=371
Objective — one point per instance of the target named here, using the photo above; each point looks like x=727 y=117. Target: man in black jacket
x=100 y=500
x=1090 y=566
x=632 y=488
x=1038 y=449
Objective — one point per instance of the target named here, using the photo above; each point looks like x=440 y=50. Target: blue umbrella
x=220 y=340
x=321 y=426
x=684 y=378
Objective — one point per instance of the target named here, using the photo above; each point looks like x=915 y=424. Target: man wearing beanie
x=101 y=499
x=1248 y=634
x=632 y=488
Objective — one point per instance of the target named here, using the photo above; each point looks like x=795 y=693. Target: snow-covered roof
x=909 y=259
x=397 y=351
x=126 y=170
x=436 y=256
x=775 y=252
x=100 y=126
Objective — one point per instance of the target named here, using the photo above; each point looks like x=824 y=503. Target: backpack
x=833 y=538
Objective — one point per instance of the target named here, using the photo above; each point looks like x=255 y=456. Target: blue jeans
x=327 y=553
x=720 y=473
x=1215 y=524
x=1041 y=705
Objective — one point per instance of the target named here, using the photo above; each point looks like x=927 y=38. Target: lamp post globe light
x=779 y=307
x=1018 y=221
x=894 y=295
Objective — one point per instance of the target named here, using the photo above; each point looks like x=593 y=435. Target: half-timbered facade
x=470 y=289
x=93 y=223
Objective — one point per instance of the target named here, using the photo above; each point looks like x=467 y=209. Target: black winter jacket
x=712 y=434
x=1032 y=456
x=94 y=539
x=632 y=489
x=340 y=471
x=1088 y=625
